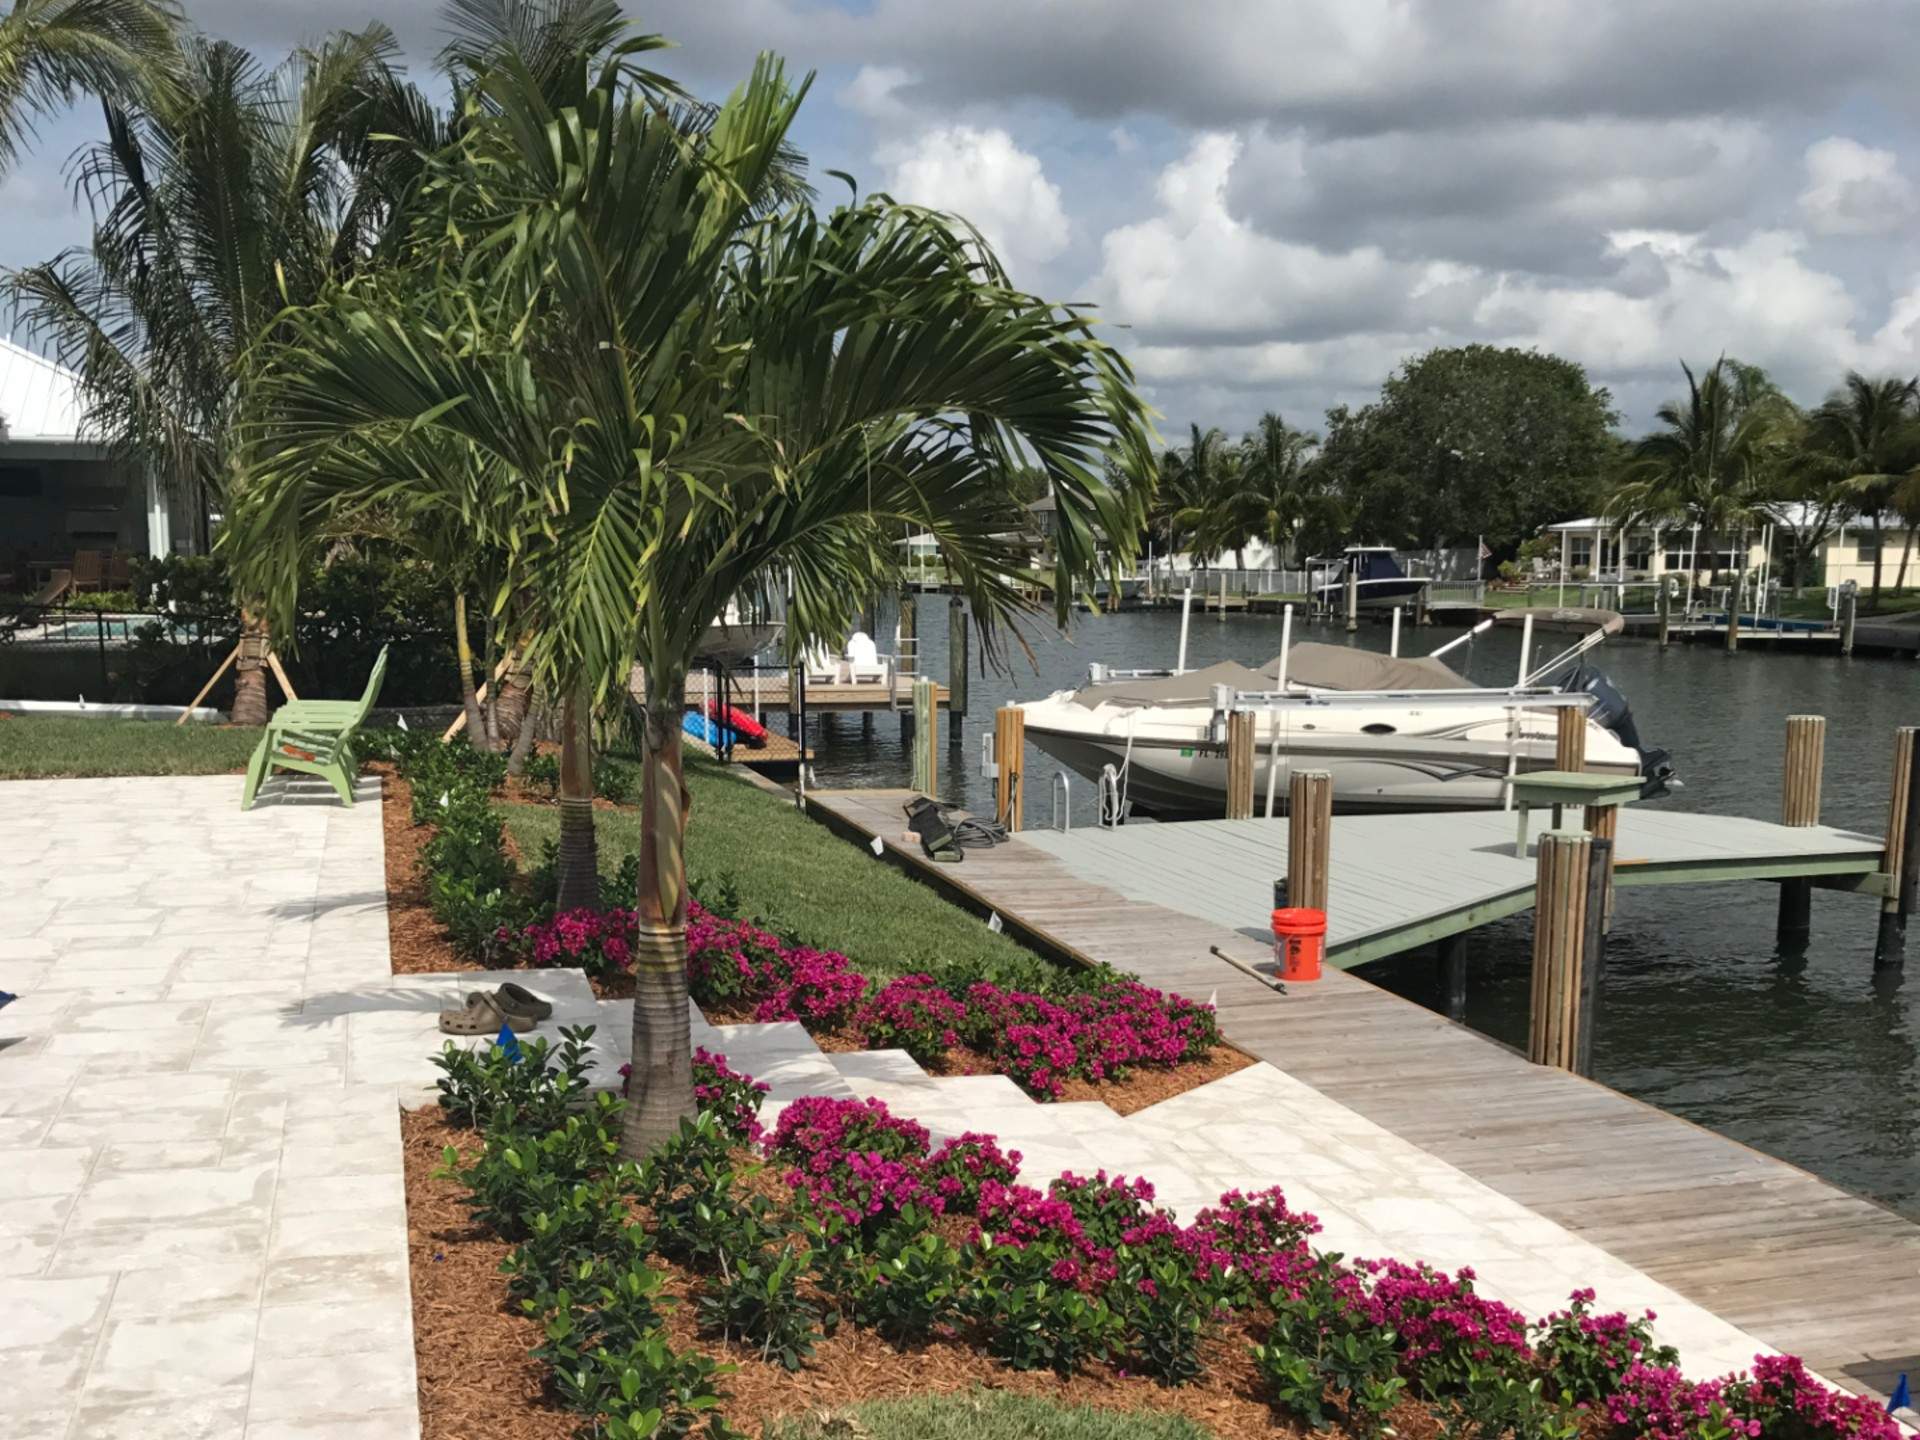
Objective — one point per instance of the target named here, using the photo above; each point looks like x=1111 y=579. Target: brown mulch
x=414 y=937
x=478 y=1382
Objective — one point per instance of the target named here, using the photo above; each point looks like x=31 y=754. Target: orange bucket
x=1299 y=942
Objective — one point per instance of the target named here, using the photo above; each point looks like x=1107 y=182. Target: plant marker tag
x=879 y=846
x=446 y=796
x=507 y=1042
x=401 y=721
x=994 y=923
x=1213 y=1000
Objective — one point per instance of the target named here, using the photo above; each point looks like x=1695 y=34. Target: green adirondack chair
x=315 y=737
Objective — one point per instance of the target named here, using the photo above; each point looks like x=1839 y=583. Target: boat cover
x=1336 y=667
x=1193 y=688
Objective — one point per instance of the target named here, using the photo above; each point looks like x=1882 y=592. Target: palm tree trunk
x=250 y=672
x=578 y=863
x=660 y=1093
x=516 y=698
x=522 y=738
x=1733 y=597
x=1906 y=552
x=469 y=697
x=1873 y=601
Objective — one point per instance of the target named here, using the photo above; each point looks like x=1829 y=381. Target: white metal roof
x=1794 y=513
x=39 y=400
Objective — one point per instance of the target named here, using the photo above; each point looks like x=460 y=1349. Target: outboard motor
x=1610 y=710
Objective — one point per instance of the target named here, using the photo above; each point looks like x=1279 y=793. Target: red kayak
x=742 y=724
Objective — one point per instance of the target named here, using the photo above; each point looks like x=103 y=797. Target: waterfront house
x=1599 y=548
x=62 y=495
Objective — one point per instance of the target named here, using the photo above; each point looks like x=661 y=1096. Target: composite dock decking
x=1798 y=1262
x=1397 y=881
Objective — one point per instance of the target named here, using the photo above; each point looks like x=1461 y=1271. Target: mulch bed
x=478 y=1381
x=420 y=947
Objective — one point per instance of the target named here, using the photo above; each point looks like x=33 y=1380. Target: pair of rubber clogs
x=486 y=1011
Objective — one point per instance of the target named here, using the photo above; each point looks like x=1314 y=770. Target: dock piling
x=1240 y=765
x=1570 y=739
x=1903 y=853
x=1309 y=837
x=1561 y=939
x=1009 y=753
x=1849 y=615
x=1353 y=600
x=1800 y=807
x=1663 y=602
x=926 y=736
x=1452 y=963
x=956 y=666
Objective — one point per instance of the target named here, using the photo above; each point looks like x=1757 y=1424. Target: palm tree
x=1206 y=476
x=217 y=203
x=1715 y=463
x=1282 y=495
x=124 y=51
x=695 y=395
x=1866 y=436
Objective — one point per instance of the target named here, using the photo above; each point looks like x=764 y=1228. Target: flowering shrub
x=1587 y=1354
x=1446 y=1330
x=1251 y=1245
x=734 y=1098
x=600 y=942
x=853 y=1158
x=1782 y=1401
x=730 y=962
x=1099 y=1034
x=1657 y=1402
x=958 y=1169
x=912 y=1014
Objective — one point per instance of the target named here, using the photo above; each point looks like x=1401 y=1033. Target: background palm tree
x=1283 y=494
x=1206 y=475
x=1715 y=463
x=125 y=51
x=1866 y=435
x=695 y=395
x=217 y=202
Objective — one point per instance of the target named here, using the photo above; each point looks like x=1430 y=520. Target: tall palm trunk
x=511 y=710
x=250 y=671
x=1733 y=596
x=1906 y=553
x=1879 y=554
x=661 y=1092
x=522 y=738
x=578 y=862
x=469 y=696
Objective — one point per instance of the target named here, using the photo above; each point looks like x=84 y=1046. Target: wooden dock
x=1788 y=1257
x=768 y=694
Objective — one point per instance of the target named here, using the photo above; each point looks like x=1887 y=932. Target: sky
x=1274 y=204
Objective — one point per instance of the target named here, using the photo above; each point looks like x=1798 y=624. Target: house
x=1601 y=549
x=60 y=493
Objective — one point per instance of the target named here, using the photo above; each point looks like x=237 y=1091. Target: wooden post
x=1593 y=951
x=926 y=737
x=1240 y=765
x=1309 y=837
x=1422 y=608
x=1452 y=964
x=956 y=666
x=1223 y=594
x=1663 y=602
x=1559 y=945
x=1009 y=751
x=909 y=657
x=1800 y=807
x=1849 y=615
x=1903 y=853
x=1570 y=739
x=1603 y=823
x=1353 y=600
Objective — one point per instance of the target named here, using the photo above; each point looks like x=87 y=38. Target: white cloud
x=1855 y=189
x=871 y=92
x=983 y=175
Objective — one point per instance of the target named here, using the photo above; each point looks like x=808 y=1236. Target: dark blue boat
x=1382 y=581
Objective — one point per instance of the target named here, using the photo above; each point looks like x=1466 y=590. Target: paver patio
x=202 y=1220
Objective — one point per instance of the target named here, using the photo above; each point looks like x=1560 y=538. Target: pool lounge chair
x=315 y=737
x=30 y=612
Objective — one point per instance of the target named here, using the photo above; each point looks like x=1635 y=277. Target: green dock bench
x=1561 y=788
x=315 y=737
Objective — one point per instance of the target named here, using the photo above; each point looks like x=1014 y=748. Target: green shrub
x=647 y=1390
x=754 y=1294
x=1496 y=1403
x=907 y=1282
x=530 y=1083
x=1166 y=1314
x=1320 y=1344
x=1032 y=1321
x=571 y=1244
x=519 y=1175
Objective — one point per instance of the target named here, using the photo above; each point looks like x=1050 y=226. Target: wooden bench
x=315 y=737
x=1562 y=788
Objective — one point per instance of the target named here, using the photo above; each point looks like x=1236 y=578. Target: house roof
x=39 y=400
x=1792 y=513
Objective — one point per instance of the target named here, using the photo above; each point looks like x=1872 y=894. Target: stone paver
x=202 y=1216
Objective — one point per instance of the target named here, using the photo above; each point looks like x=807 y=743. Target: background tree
x=51 y=51
x=1470 y=441
x=1865 y=437
x=1203 y=476
x=218 y=201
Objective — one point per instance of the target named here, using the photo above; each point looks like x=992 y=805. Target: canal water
x=1805 y=1054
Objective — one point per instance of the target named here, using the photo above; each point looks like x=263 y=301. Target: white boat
x=1396 y=733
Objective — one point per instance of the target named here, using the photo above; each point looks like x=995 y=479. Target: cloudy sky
x=1275 y=201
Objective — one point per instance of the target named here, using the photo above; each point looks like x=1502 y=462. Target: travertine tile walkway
x=202 y=1223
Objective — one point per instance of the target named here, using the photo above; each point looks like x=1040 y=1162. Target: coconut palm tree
x=1206 y=475
x=1715 y=463
x=125 y=51
x=1282 y=494
x=1866 y=435
x=217 y=203
x=694 y=396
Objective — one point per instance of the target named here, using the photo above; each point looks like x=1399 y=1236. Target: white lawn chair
x=821 y=668
x=864 y=665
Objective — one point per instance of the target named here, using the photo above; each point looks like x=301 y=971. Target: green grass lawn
x=798 y=877
x=36 y=746
x=983 y=1415
x=1813 y=604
